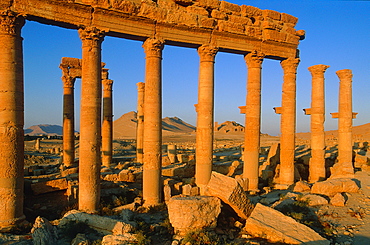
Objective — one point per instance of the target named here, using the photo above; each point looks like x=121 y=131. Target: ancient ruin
x=252 y=178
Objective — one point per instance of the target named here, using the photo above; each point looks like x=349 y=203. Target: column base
x=8 y=225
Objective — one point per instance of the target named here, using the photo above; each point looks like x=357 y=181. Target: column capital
x=290 y=65
x=317 y=70
x=108 y=84
x=140 y=86
x=91 y=36
x=254 y=59
x=10 y=22
x=153 y=47
x=68 y=81
x=207 y=53
x=344 y=74
x=104 y=72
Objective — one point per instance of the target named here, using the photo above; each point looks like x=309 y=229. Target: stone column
x=205 y=108
x=344 y=168
x=68 y=121
x=317 y=112
x=172 y=153
x=38 y=144
x=288 y=123
x=90 y=121
x=107 y=126
x=152 y=186
x=140 y=122
x=252 y=120
x=11 y=120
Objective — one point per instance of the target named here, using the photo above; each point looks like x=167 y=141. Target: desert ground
x=51 y=196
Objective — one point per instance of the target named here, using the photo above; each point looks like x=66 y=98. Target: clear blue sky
x=337 y=34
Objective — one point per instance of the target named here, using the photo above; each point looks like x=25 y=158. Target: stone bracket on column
x=278 y=110
x=242 y=109
x=336 y=115
x=307 y=111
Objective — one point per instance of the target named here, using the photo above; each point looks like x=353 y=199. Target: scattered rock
x=80 y=239
x=314 y=200
x=301 y=186
x=43 y=233
x=193 y=213
x=280 y=228
x=49 y=186
x=125 y=238
x=331 y=187
x=338 y=200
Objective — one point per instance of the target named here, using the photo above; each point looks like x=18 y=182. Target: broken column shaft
x=205 y=116
x=11 y=120
x=252 y=119
x=90 y=122
x=317 y=111
x=152 y=168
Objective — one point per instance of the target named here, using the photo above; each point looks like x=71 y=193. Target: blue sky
x=337 y=34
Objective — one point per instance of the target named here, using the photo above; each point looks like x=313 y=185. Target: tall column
x=152 y=170
x=11 y=120
x=140 y=122
x=317 y=112
x=344 y=168
x=205 y=117
x=68 y=121
x=288 y=123
x=107 y=126
x=90 y=121
x=252 y=119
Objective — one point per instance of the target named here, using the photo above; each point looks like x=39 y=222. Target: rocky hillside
x=44 y=129
x=229 y=127
x=125 y=126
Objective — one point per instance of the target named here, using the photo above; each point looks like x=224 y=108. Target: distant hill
x=125 y=126
x=360 y=132
x=44 y=129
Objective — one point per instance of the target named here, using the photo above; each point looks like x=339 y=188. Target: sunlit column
x=107 y=126
x=317 y=112
x=11 y=120
x=90 y=122
x=152 y=170
x=288 y=122
x=140 y=122
x=344 y=168
x=252 y=119
x=68 y=120
x=205 y=116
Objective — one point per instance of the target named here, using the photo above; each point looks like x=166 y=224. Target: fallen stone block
x=193 y=213
x=43 y=233
x=126 y=238
x=314 y=200
x=301 y=186
x=270 y=224
x=182 y=170
x=338 y=200
x=230 y=192
x=80 y=239
x=101 y=224
x=49 y=186
x=331 y=187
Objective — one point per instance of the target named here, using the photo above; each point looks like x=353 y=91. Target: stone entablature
x=191 y=23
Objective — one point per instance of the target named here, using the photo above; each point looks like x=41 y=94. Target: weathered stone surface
x=43 y=233
x=104 y=225
x=193 y=213
x=338 y=200
x=301 y=186
x=49 y=186
x=230 y=192
x=270 y=224
x=122 y=239
x=181 y=170
x=80 y=239
x=314 y=200
x=331 y=187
